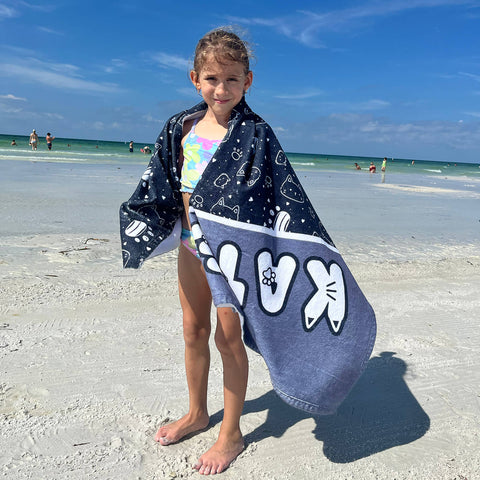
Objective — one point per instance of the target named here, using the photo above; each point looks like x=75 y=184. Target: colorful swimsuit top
x=197 y=152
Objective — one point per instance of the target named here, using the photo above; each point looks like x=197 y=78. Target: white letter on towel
x=329 y=300
x=274 y=281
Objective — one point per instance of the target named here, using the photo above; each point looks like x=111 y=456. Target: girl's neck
x=210 y=117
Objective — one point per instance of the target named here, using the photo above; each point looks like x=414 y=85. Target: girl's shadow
x=379 y=413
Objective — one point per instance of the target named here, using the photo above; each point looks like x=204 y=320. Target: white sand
x=91 y=359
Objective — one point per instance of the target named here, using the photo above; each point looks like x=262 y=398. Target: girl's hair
x=225 y=46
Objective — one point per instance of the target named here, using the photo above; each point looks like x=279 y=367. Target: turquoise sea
x=428 y=209
x=70 y=150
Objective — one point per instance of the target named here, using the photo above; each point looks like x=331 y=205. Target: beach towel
x=265 y=253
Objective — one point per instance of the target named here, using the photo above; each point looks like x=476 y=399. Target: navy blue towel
x=266 y=254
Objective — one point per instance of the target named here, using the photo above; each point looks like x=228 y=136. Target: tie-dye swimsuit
x=197 y=152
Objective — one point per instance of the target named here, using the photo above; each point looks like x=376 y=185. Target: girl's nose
x=221 y=87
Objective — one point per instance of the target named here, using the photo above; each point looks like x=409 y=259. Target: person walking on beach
x=33 y=140
x=49 y=139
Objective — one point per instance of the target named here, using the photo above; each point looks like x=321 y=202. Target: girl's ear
x=194 y=79
x=248 y=81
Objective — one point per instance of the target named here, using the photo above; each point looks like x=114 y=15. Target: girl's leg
x=195 y=299
x=228 y=338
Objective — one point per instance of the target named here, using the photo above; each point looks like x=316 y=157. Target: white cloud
x=373 y=104
x=362 y=134
x=116 y=64
x=151 y=119
x=171 y=61
x=9 y=110
x=61 y=76
x=301 y=96
x=306 y=26
x=476 y=78
x=366 y=105
x=7 y=12
x=49 y=30
x=13 y=97
x=55 y=116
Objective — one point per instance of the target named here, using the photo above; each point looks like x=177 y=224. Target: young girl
x=251 y=242
x=222 y=76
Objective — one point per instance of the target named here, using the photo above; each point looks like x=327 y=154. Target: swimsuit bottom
x=188 y=241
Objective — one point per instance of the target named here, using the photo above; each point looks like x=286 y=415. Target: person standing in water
x=49 y=138
x=384 y=164
x=34 y=140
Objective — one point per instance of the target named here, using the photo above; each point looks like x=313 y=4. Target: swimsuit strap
x=192 y=130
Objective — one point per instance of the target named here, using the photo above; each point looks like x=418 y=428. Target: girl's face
x=222 y=85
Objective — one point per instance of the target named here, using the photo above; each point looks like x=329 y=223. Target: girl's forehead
x=212 y=65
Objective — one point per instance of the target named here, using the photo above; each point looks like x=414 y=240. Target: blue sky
x=399 y=78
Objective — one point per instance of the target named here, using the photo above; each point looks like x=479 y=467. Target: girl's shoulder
x=188 y=125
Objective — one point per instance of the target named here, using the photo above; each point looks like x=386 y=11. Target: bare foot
x=219 y=457
x=175 y=431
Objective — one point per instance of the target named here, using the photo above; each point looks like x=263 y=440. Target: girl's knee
x=228 y=343
x=195 y=334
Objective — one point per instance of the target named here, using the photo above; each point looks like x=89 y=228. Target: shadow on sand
x=379 y=413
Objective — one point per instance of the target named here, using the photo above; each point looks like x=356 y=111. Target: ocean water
x=429 y=210
x=69 y=150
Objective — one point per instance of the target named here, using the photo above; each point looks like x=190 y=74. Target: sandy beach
x=91 y=355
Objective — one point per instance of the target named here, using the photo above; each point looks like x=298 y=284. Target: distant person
x=49 y=140
x=357 y=166
x=33 y=140
x=14 y=143
x=372 y=168
x=384 y=164
x=413 y=162
x=130 y=146
x=146 y=149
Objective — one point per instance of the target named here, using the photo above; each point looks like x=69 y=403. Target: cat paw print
x=197 y=201
x=237 y=154
x=268 y=279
